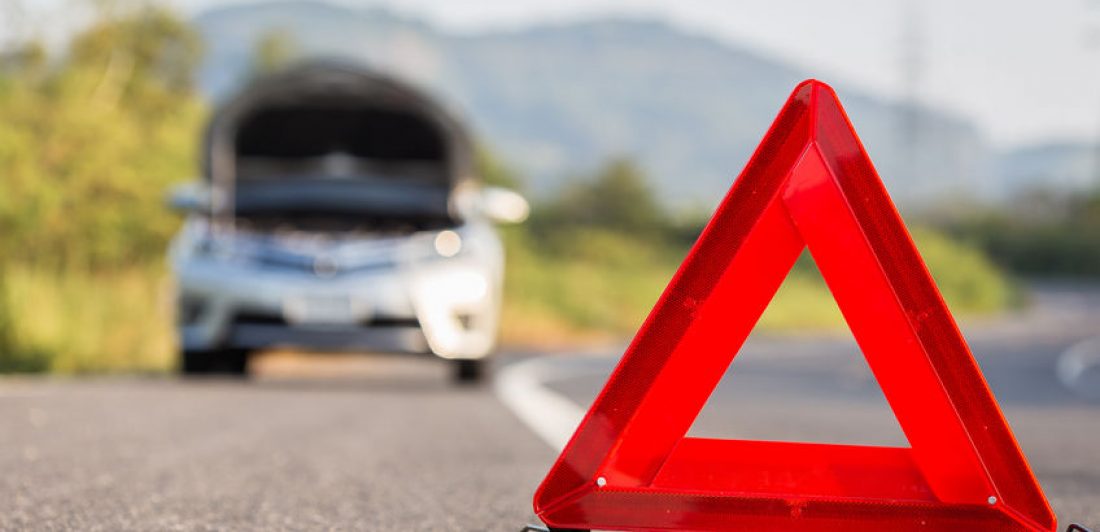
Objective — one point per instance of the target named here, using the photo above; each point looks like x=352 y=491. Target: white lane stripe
x=1075 y=363
x=522 y=388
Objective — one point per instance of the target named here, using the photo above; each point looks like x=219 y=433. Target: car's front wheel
x=214 y=362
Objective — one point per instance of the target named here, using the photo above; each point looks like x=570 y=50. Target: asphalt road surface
x=385 y=443
x=400 y=451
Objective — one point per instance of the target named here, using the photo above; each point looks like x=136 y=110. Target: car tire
x=192 y=362
x=468 y=372
x=233 y=362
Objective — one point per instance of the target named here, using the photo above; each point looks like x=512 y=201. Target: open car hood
x=333 y=137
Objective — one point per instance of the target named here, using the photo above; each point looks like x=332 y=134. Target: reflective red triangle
x=809 y=184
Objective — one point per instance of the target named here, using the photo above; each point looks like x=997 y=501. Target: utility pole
x=1092 y=40
x=911 y=61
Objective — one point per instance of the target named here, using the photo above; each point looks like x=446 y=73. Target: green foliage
x=606 y=282
x=89 y=142
x=591 y=265
x=83 y=322
x=617 y=197
x=802 y=303
x=1040 y=235
x=273 y=50
x=495 y=173
x=13 y=355
x=967 y=278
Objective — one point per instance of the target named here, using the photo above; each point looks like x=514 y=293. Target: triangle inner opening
x=800 y=377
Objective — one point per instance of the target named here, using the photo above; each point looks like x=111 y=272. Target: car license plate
x=322 y=310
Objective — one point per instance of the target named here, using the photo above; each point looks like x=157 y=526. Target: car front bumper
x=449 y=308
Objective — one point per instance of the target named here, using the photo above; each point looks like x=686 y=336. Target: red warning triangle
x=809 y=185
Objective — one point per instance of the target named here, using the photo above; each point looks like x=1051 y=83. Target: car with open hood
x=339 y=209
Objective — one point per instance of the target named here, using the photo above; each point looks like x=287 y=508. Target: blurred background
x=624 y=123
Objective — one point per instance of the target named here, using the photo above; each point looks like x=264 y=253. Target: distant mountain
x=556 y=100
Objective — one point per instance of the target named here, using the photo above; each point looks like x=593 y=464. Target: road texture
x=385 y=443
x=397 y=451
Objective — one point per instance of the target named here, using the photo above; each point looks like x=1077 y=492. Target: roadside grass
x=571 y=288
x=592 y=285
x=77 y=322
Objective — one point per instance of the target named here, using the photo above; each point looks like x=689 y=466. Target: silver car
x=339 y=210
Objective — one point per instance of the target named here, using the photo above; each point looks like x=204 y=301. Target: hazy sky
x=1024 y=71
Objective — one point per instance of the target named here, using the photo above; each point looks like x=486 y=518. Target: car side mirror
x=189 y=198
x=504 y=206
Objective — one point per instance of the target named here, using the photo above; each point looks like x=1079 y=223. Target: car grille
x=321 y=266
x=259 y=318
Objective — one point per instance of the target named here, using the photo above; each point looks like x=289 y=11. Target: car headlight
x=456 y=287
x=447 y=243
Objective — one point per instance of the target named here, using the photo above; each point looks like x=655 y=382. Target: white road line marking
x=522 y=388
x=1075 y=362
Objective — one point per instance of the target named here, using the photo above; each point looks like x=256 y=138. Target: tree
x=273 y=50
x=91 y=140
x=616 y=197
x=8 y=347
x=495 y=172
